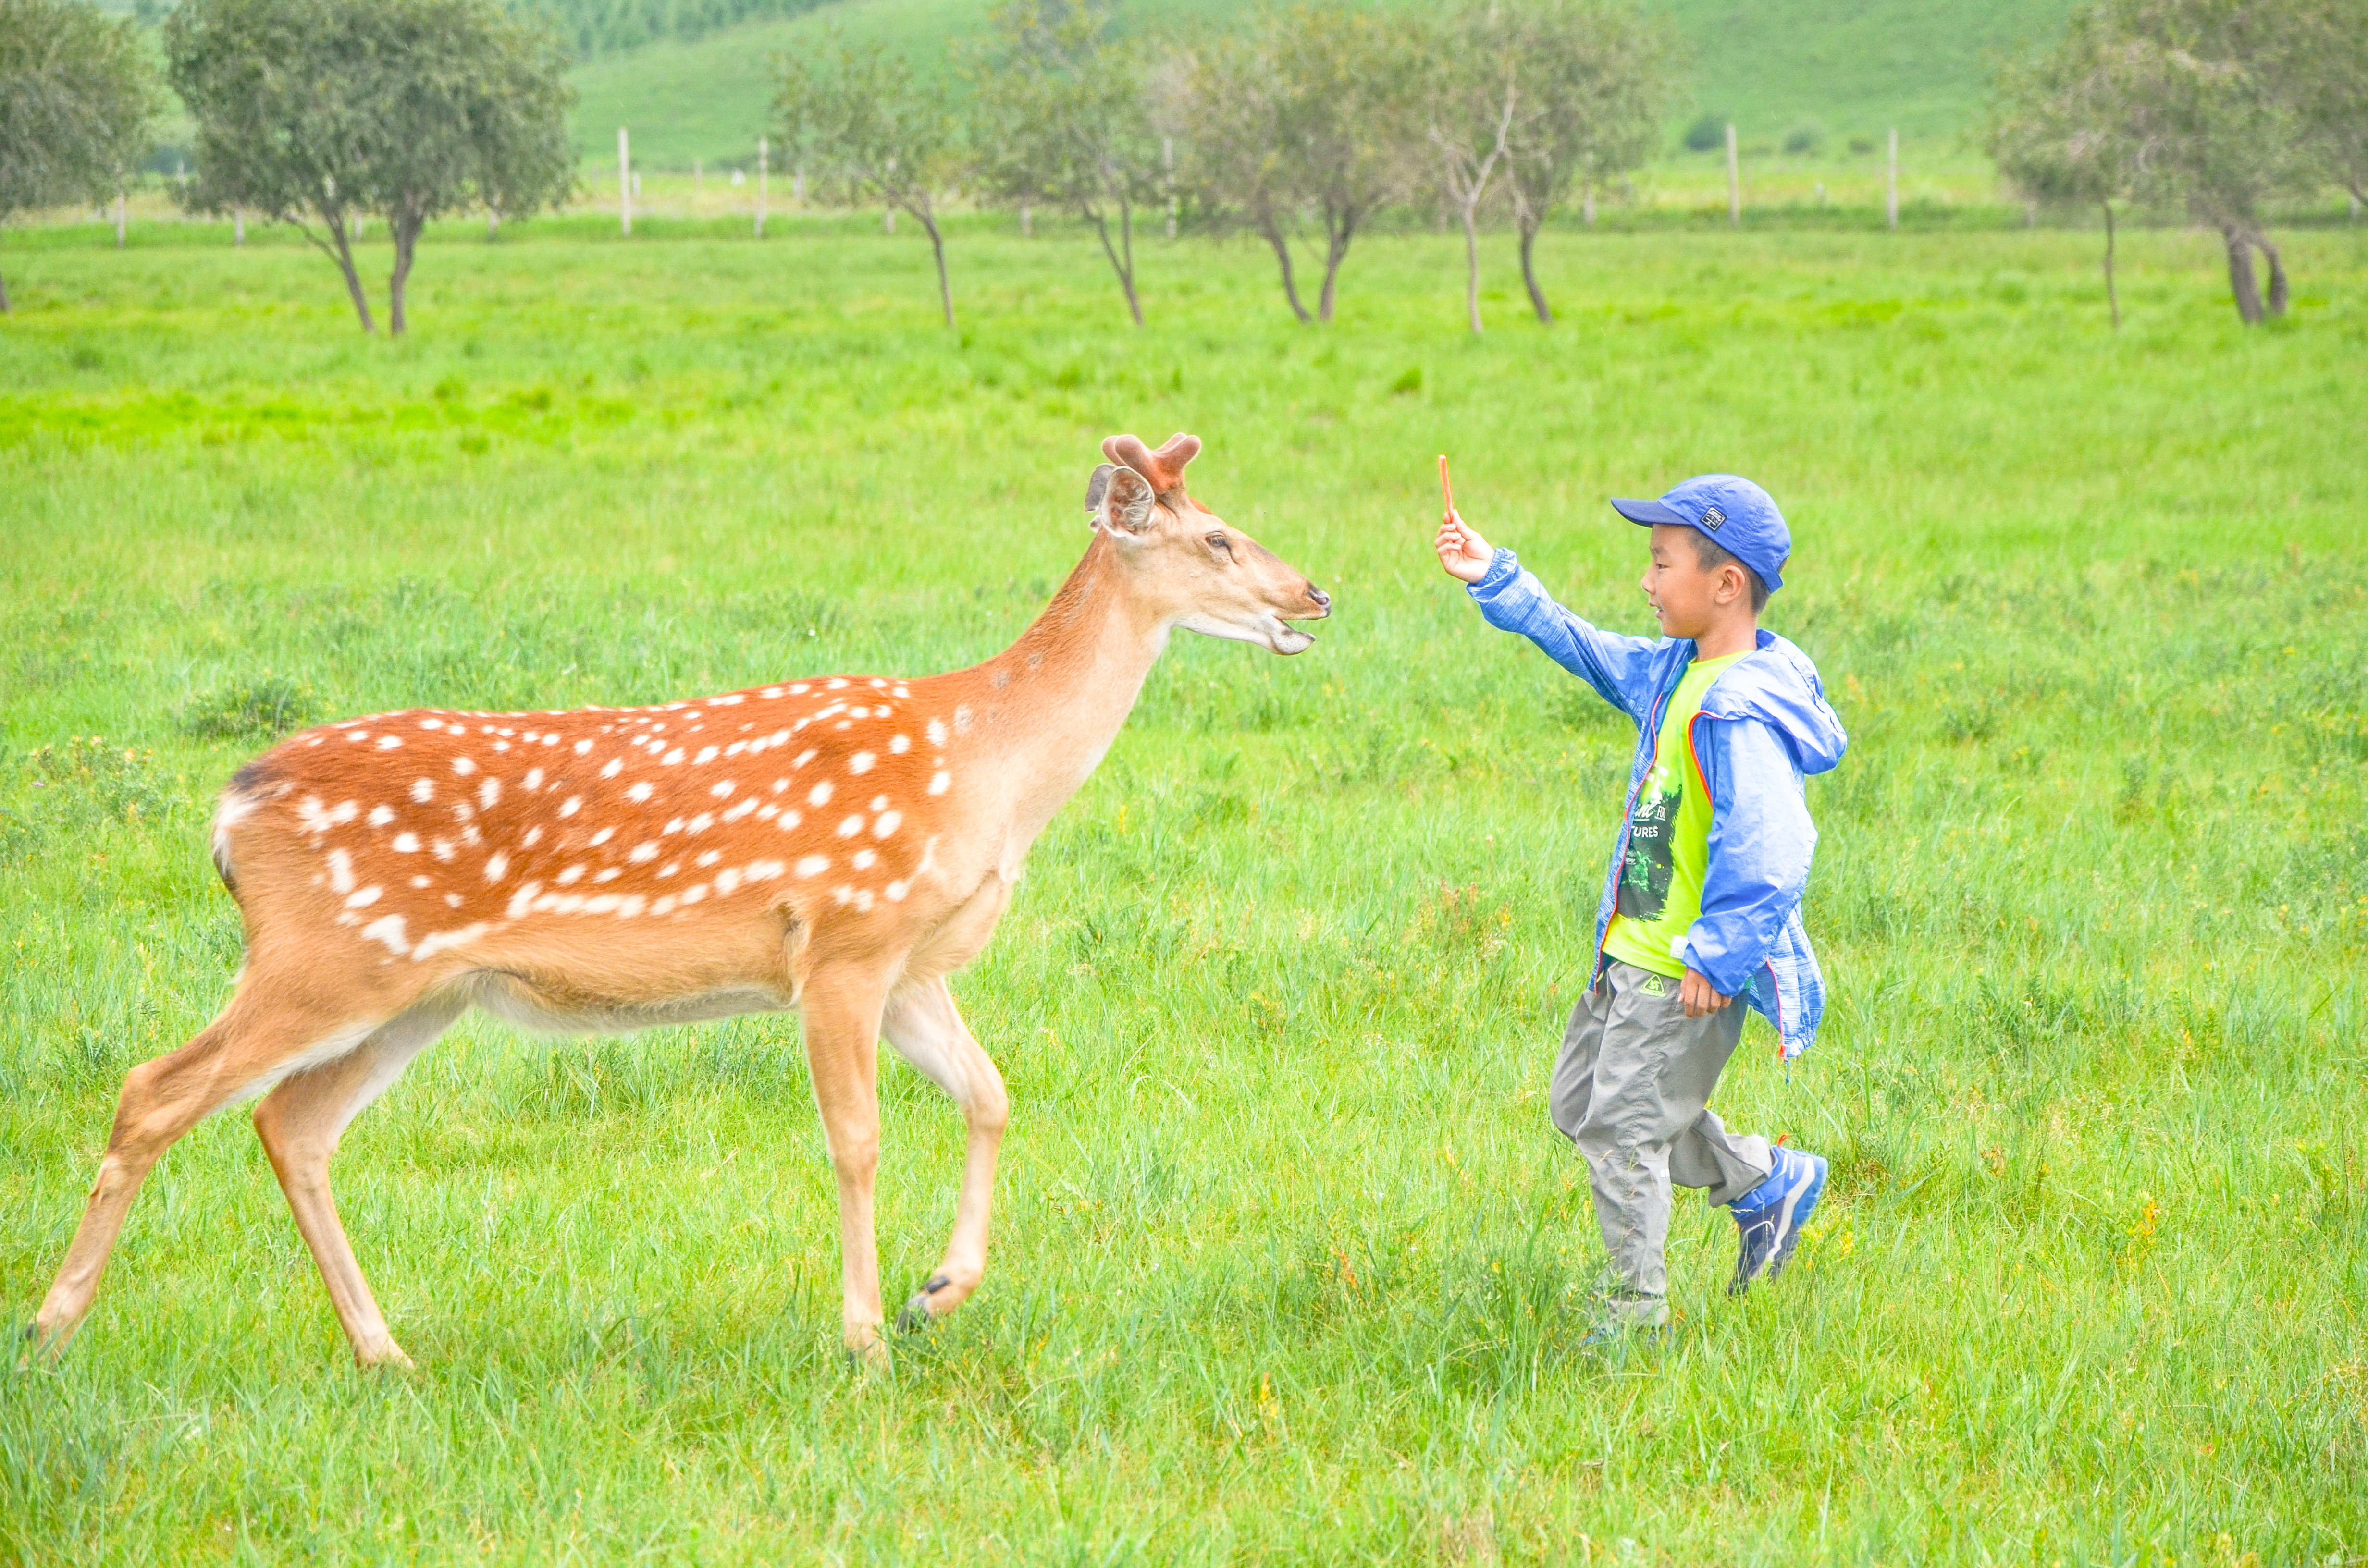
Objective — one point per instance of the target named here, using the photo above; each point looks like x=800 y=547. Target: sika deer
x=839 y=845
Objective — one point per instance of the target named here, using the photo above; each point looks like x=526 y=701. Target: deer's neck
x=1045 y=710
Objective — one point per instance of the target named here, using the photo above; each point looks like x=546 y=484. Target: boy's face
x=1686 y=598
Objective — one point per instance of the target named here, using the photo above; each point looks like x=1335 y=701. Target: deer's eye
x=1219 y=542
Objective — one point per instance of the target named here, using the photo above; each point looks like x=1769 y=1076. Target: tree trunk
x=1124 y=268
x=1472 y=261
x=1336 y=251
x=2277 y=303
x=403 y=229
x=2240 y=274
x=937 y=244
x=1273 y=233
x=2113 y=298
x=345 y=255
x=1530 y=273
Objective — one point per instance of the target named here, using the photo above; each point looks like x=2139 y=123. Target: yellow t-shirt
x=1668 y=837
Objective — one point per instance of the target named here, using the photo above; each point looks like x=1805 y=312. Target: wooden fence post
x=764 y=180
x=1891 y=184
x=624 y=182
x=119 y=217
x=1734 y=181
x=238 y=225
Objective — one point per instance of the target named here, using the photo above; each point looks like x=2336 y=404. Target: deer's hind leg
x=299 y=1123
x=927 y=1031
x=268 y=1030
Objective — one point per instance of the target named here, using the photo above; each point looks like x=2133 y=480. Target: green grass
x=1925 y=68
x=1284 y=1235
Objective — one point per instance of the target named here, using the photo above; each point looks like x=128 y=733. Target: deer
x=837 y=845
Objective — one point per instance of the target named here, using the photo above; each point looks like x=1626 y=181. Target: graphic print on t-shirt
x=1652 y=825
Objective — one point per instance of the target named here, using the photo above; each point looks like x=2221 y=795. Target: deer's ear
x=1097 y=485
x=1125 y=502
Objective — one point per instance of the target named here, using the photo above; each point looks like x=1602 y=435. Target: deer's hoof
x=918 y=1313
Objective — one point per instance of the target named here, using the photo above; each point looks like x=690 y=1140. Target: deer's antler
x=1164 y=468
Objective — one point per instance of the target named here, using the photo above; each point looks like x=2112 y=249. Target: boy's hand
x=1463 y=554
x=1696 y=996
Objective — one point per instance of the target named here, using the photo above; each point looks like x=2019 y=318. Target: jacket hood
x=1779 y=687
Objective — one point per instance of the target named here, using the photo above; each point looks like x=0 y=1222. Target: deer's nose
x=1323 y=600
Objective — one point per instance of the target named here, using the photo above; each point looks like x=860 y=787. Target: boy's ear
x=1125 y=500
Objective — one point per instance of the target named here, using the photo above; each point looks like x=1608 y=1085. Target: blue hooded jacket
x=1764 y=726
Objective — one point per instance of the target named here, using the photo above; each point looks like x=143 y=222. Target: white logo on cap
x=1713 y=518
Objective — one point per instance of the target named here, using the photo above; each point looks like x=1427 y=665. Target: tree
x=2192 y=99
x=1471 y=118
x=1598 y=76
x=2058 y=132
x=1307 y=115
x=864 y=128
x=2323 y=73
x=326 y=111
x=76 y=95
x=1065 y=115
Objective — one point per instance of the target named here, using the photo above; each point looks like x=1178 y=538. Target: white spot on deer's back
x=405 y=843
x=671 y=757
x=569 y=877
x=820 y=795
x=861 y=762
x=388 y=930
x=863 y=860
x=706 y=754
x=613 y=766
x=601 y=838
x=363 y=898
x=638 y=792
x=886 y=823
x=380 y=815
x=937 y=732
x=583 y=748
x=939 y=781
x=851 y=826
x=813 y=865
x=422 y=791
x=533 y=780
x=900 y=745
x=463 y=766
x=523 y=900
x=573 y=803
x=387 y=743
x=896 y=891
x=497 y=865
x=724 y=789
x=436 y=941
x=643 y=853
x=709 y=858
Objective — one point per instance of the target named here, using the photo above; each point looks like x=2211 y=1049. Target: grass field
x=1768 y=65
x=1285 y=1241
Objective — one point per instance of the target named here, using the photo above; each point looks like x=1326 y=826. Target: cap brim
x=1650 y=512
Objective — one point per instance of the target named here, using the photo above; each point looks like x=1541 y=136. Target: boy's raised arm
x=1619 y=668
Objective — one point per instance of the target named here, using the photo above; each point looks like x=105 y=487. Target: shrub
x=1707 y=133
x=1806 y=137
x=262 y=707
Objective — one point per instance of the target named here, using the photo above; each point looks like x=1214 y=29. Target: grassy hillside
x=1851 y=68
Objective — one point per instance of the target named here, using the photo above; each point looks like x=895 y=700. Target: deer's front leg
x=842 y=1029
x=927 y=1030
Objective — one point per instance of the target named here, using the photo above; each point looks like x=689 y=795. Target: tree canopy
x=314 y=112
x=76 y=95
x=864 y=128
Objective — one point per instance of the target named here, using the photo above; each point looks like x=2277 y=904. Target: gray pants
x=1632 y=1089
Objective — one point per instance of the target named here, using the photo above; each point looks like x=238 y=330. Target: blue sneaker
x=1771 y=1214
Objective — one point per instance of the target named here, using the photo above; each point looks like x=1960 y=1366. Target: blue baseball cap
x=1737 y=515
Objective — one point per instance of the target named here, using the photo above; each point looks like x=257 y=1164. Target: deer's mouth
x=1285 y=638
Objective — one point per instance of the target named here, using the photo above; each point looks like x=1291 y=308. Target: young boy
x=1703 y=901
